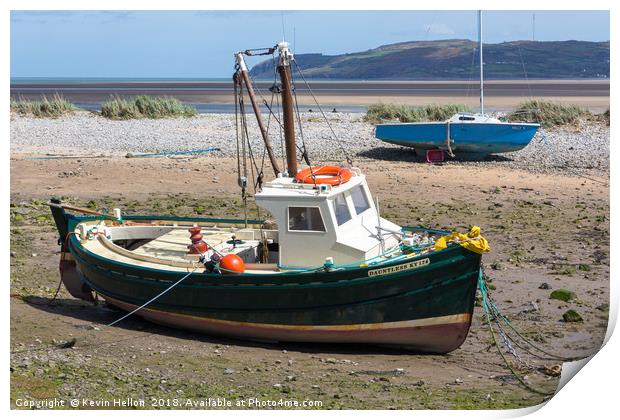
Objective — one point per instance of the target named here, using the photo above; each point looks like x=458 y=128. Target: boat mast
x=284 y=69
x=243 y=70
x=481 y=62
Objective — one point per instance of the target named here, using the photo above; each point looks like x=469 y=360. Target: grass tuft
x=55 y=107
x=146 y=107
x=405 y=113
x=548 y=114
x=605 y=117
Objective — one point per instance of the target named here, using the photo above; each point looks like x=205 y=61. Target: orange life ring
x=331 y=175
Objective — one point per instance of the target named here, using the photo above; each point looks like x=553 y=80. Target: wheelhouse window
x=360 y=201
x=341 y=209
x=305 y=219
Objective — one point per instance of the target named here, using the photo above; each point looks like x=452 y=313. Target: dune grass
x=406 y=113
x=146 y=107
x=549 y=114
x=605 y=117
x=54 y=108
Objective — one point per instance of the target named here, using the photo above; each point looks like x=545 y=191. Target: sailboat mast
x=481 y=62
x=284 y=69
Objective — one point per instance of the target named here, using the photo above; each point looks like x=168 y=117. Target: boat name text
x=397 y=268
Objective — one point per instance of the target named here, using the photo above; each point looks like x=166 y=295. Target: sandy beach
x=545 y=211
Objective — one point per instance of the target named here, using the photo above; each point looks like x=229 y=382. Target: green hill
x=457 y=59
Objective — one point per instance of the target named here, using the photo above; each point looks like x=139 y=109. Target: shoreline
x=499 y=94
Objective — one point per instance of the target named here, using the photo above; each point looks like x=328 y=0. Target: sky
x=200 y=44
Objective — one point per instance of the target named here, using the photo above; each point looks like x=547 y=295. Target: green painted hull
x=427 y=308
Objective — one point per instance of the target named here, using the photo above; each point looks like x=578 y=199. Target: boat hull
x=432 y=335
x=467 y=137
x=424 y=306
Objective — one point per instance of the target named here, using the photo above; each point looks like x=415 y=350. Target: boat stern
x=69 y=273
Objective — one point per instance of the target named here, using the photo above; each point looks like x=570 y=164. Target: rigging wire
x=349 y=161
x=527 y=80
x=248 y=153
x=471 y=71
x=274 y=93
x=274 y=90
x=236 y=87
x=262 y=164
x=304 y=152
x=244 y=132
x=240 y=109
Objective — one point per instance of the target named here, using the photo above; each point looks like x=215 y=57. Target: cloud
x=438 y=29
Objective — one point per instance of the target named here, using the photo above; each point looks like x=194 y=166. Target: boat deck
x=174 y=244
x=167 y=248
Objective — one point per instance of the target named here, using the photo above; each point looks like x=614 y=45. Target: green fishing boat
x=326 y=268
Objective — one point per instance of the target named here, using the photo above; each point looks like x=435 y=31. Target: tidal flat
x=548 y=230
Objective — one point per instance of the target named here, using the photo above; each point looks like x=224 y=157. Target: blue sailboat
x=474 y=135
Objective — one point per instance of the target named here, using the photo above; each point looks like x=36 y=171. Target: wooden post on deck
x=284 y=69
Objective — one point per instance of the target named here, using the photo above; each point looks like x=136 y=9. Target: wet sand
x=499 y=94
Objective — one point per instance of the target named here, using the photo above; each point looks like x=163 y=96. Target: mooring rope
x=71 y=343
x=498 y=315
x=487 y=311
x=153 y=299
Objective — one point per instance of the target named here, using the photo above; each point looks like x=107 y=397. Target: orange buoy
x=232 y=263
x=331 y=175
